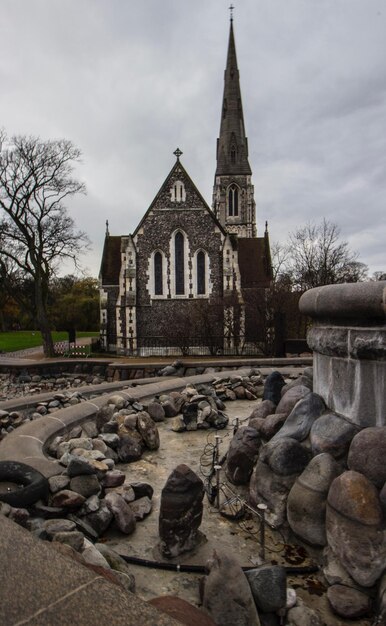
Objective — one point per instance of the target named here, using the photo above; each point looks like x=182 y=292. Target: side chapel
x=186 y=261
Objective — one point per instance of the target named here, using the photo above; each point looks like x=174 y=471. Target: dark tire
x=34 y=486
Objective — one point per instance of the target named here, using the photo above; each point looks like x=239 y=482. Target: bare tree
x=317 y=256
x=36 y=233
x=378 y=276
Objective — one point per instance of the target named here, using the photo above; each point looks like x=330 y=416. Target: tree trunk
x=2 y=322
x=42 y=318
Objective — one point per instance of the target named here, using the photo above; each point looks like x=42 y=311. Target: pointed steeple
x=233 y=194
x=232 y=144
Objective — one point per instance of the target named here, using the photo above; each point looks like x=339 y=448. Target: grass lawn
x=22 y=339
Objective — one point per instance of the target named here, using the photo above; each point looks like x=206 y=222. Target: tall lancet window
x=158 y=282
x=233 y=154
x=233 y=201
x=179 y=263
x=201 y=278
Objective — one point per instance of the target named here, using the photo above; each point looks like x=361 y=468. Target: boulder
x=306 y=504
x=57 y=525
x=129 y=449
x=333 y=434
x=273 y=386
x=271 y=489
x=141 y=508
x=86 y=485
x=72 y=538
x=142 y=489
x=347 y=602
x=264 y=408
x=354 y=527
x=57 y=483
x=290 y=398
x=67 y=499
x=169 y=408
x=110 y=439
x=271 y=425
x=367 y=454
x=269 y=587
x=123 y=515
x=156 y=411
x=116 y=562
x=117 y=401
x=382 y=499
x=381 y=599
x=285 y=456
x=303 y=415
x=242 y=455
x=306 y=381
x=148 y=430
x=180 y=511
x=113 y=478
x=103 y=415
x=100 y=519
x=227 y=596
x=302 y=615
x=79 y=465
x=93 y=556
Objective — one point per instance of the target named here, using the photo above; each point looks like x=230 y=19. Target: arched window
x=201 y=278
x=158 y=282
x=177 y=192
x=233 y=201
x=233 y=154
x=179 y=263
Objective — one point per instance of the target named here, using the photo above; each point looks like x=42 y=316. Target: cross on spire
x=231 y=11
x=178 y=153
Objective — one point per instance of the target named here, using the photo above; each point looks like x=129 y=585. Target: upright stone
x=180 y=511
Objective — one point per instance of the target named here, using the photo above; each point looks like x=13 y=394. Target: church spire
x=232 y=144
x=233 y=193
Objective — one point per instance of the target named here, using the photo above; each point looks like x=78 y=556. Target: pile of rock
x=91 y=493
x=13 y=386
x=202 y=406
x=9 y=420
x=326 y=478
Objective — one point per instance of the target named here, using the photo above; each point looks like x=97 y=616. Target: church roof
x=254 y=262
x=192 y=199
x=232 y=144
x=111 y=261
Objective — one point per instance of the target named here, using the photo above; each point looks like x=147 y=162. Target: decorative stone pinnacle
x=178 y=153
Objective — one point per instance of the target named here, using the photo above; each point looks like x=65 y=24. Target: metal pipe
x=217 y=469
x=262 y=508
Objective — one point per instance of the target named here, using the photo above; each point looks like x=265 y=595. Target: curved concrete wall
x=348 y=340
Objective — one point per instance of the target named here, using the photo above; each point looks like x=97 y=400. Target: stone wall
x=348 y=339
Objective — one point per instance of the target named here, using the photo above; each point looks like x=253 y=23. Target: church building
x=183 y=277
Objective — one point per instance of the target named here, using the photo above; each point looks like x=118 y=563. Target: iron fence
x=188 y=346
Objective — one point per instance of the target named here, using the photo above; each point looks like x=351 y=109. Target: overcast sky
x=129 y=81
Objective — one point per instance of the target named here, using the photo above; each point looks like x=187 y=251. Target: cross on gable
x=178 y=153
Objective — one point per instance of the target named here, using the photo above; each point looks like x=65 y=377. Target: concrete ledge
x=346 y=301
x=40 y=587
x=348 y=340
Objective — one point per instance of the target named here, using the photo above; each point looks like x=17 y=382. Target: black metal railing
x=189 y=346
